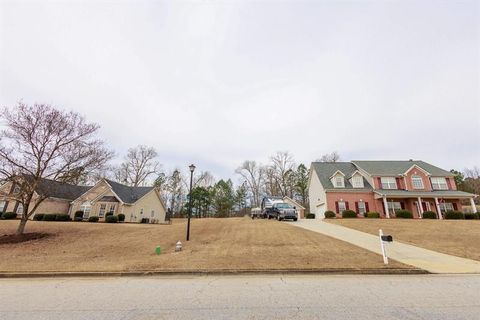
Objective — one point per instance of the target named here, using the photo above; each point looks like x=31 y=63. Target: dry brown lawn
x=456 y=237
x=216 y=244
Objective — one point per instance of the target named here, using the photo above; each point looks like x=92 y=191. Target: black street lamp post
x=192 y=168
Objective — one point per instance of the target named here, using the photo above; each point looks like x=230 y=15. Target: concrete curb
x=332 y=271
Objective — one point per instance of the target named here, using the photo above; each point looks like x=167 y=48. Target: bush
x=372 y=215
x=62 y=217
x=349 y=214
x=38 y=217
x=78 y=214
x=403 y=214
x=429 y=215
x=121 y=217
x=454 y=215
x=9 y=216
x=50 y=217
x=109 y=214
x=330 y=214
x=471 y=216
x=111 y=219
x=93 y=219
x=311 y=216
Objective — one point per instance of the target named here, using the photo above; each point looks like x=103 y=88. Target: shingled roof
x=395 y=168
x=126 y=193
x=325 y=170
x=55 y=189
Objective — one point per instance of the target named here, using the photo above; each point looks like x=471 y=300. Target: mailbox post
x=383 y=240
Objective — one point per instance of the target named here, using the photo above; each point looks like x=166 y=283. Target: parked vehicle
x=283 y=210
x=267 y=204
x=256 y=213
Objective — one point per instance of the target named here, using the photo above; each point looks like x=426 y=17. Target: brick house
x=60 y=195
x=384 y=187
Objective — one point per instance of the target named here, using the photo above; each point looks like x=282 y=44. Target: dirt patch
x=215 y=244
x=13 y=238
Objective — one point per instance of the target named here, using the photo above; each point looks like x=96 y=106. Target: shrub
x=121 y=217
x=108 y=214
x=78 y=214
x=454 y=215
x=50 y=217
x=62 y=217
x=429 y=215
x=471 y=216
x=38 y=217
x=403 y=214
x=372 y=215
x=111 y=219
x=311 y=216
x=93 y=219
x=330 y=214
x=9 y=216
x=349 y=214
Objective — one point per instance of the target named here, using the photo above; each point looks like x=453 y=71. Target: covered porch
x=419 y=202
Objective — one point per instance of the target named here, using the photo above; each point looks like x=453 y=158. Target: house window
x=388 y=183
x=417 y=182
x=101 y=211
x=357 y=181
x=2 y=206
x=19 y=209
x=16 y=189
x=86 y=207
x=362 y=209
x=141 y=211
x=339 y=182
x=342 y=206
x=446 y=206
x=152 y=213
x=394 y=206
x=112 y=208
x=439 y=183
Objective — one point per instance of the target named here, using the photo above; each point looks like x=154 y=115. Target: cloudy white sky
x=218 y=82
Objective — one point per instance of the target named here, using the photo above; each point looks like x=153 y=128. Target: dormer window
x=339 y=182
x=439 y=183
x=388 y=183
x=417 y=182
x=357 y=181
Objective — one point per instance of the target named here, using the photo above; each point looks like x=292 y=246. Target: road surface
x=243 y=297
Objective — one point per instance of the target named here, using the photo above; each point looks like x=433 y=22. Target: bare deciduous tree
x=139 y=164
x=329 y=157
x=41 y=142
x=282 y=165
x=253 y=173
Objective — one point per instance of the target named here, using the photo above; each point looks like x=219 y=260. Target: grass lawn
x=456 y=237
x=216 y=244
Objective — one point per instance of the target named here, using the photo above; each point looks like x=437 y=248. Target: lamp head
x=192 y=167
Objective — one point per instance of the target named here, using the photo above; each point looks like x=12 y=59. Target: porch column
x=420 y=207
x=474 y=207
x=438 y=209
x=385 y=204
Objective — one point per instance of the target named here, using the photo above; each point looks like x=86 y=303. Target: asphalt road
x=243 y=297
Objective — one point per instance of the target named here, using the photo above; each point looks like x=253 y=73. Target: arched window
x=86 y=207
x=417 y=182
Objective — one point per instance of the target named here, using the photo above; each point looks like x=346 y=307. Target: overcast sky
x=219 y=82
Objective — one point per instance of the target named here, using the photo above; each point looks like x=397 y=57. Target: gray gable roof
x=395 y=168
x=325 y=170
x=60 y=190
x=126 y=193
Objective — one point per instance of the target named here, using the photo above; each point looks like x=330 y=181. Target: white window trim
x=394 y=205
x=443 y=207
x=361 y=206
x=357 y=181
x=439 y=184
x=2 y=207
x=340 y=210
x=20 y=206
x=102 y=209
x=417 y=178
x=388 y=183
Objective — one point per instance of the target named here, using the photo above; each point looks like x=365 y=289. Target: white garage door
x=320 y=212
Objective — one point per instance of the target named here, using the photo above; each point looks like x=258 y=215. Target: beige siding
x=316 y=193
x=101 y=188
x=149 y=202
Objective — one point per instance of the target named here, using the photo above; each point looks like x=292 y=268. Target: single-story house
x=60 y=195
x=138 y=204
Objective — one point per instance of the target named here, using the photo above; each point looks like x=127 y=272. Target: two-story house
x=384 y=187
